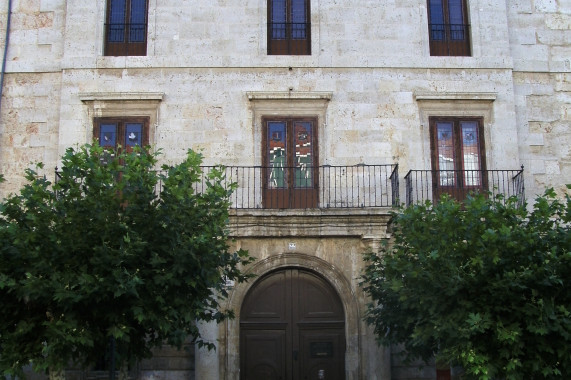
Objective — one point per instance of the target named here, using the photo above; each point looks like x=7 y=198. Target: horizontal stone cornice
x=448 y=96
x=120 y=96
x=288 y=95
x=358 y=222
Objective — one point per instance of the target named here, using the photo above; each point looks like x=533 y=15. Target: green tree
x=485 y=284
x=102 y=256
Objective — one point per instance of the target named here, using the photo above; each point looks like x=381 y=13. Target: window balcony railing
x=449 y=39
x=305 y=187
x=289 y=38
x=421 y=185
x=125 y=39
x=308 y=187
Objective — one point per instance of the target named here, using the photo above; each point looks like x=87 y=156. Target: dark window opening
x=448 y=26
x=126 y=28
x=289 y=28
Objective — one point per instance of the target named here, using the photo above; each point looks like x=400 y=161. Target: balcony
x=422 y=185
x=305 y=187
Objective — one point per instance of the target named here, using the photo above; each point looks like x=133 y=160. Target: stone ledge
x=370 y=223
x=288 y=95
x=472 y=96
x=120 y=96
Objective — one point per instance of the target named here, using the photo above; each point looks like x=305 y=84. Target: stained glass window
x=303 y=134
x=121 y=132
x=276 y=154
x=457 y=151
x=445 y=153
x=108 y=135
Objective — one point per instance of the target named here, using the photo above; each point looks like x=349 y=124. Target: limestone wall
x=540 y=34
x=29 y=125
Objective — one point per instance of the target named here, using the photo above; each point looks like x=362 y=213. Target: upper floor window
x=289 y=29
x=126 y=27
x=290 y=162
x=448 y=28
x=458 y=158
x=115 y=133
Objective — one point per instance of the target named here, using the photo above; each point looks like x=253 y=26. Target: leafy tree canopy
x=102 y=255
x=485 y=284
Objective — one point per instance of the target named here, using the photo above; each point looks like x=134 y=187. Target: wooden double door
x=292 y=327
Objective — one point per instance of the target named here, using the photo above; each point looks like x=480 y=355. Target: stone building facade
x=373 y=93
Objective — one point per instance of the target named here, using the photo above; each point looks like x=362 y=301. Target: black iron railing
x=288 y=30
x=449 y=39
x=324 y=186
x=306 y=187
x=289 y=38
x=421 y=185
x=125 y=39
x=449 y=32
x=126 y=32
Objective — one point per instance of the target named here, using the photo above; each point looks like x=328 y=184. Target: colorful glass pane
x=445 y=146
x=133 y=134
x=303 y=135
x=108 y=135
x=277 y=158
x=471 y=153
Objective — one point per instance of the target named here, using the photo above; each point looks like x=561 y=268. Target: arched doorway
x=292 y=327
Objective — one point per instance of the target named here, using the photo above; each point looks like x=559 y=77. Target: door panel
x=292 y=325
x=316 y=300
x=323 y=354
x=264 y=352
x=271 y=304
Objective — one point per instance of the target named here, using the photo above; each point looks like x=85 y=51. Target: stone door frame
x=230 y=336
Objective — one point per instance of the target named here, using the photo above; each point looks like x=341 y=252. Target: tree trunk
x=124 y=372
x=56 y=374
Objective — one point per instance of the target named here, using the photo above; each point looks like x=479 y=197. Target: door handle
x=295 y=352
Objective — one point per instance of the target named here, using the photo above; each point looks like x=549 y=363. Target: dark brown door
x=458 y=159
x=292 y=327
x=290 y=163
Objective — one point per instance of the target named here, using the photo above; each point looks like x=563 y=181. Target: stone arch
x=340 y=283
